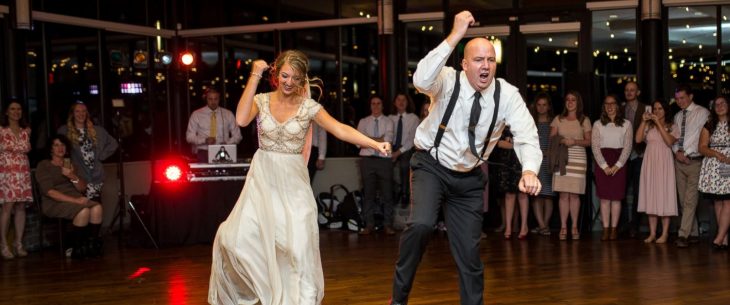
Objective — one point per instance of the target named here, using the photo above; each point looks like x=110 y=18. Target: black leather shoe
x=682 y=242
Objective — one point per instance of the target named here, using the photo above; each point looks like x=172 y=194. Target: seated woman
x=63 y=197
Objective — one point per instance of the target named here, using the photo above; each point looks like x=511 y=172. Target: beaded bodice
x=284 y=137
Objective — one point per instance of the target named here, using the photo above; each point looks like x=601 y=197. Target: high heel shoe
x=563 y=234
x=5 y=253
x=605 y=234
x=575 y=235
x=649 y=240
x=20 y=251
x=507 y=236
x=662 y=239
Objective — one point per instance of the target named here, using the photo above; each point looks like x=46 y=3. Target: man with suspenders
x=468 y=112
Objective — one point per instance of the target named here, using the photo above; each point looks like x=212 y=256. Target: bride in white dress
x=267 y=251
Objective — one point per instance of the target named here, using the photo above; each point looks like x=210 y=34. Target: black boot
x=79 y=248
x=94 y=242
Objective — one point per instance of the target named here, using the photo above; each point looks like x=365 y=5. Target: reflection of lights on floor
x=138 y=273
x=177 y=291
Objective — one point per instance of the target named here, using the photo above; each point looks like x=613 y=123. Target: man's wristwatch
x=75 y=181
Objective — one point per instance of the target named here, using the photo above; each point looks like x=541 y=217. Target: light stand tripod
x=122 y=201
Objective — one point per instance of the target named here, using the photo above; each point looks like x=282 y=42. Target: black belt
x=695 y=158
x=375 y=157
x=471 y=172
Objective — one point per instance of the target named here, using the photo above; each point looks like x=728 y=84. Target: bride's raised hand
x=259 y=67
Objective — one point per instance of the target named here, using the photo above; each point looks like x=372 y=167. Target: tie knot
x=477 y=95
x=684 y=111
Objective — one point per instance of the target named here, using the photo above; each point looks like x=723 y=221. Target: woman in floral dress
x=715 y=170
x=15 y=187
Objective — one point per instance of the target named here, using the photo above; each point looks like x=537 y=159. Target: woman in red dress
x=15 y=189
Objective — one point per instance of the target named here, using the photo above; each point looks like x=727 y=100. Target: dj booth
x=190 y=213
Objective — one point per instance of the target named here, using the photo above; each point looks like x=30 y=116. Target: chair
x=38 y=200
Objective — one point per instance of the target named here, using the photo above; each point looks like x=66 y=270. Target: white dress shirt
x=437 y=81
x=410 y=123
x=612 y=136
x=696 y=119
x=198 y=130
x=367 y=127
x=319 y=140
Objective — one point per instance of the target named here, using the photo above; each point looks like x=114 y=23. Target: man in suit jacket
x=633 y=111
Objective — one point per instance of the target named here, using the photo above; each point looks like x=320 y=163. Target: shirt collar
x=691 y=107
x=468 y=89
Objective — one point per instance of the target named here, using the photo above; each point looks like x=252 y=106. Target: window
x=692 y=50
x=614 y=50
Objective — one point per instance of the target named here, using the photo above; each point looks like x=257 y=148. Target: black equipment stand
x=122 y=197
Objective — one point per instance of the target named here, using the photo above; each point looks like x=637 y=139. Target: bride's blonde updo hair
x=300 y=63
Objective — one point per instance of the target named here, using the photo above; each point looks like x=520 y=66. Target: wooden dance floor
x=358 y=270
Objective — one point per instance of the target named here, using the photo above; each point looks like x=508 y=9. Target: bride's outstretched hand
x=384 y=148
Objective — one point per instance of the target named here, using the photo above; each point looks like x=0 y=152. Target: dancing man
x=451 y=144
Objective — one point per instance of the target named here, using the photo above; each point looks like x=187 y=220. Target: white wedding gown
x=267 y=251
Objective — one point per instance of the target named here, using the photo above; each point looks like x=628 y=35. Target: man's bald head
x=479 y=63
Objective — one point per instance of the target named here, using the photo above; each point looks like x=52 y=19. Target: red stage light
x=173 y=173
x=173 y=170
x=187 y=58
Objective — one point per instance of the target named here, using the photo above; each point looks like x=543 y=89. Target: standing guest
x=15 y=187
x=318 y=152
x=657 y=196
x=267 y=251
x=63 y=197
x=405 y=123
x=575 y=129
x=542 y=206
x=376 y=168
x=715 y=172
x=211 y=124
x=451 y=144
x=90 y=144
x=424 y=110
x=688 y=125
x=633 y=110
x=611 y=144
x=506 y=178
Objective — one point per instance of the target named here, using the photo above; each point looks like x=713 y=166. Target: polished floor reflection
x=358 y=270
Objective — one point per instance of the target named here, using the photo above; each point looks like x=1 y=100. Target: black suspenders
x=450 y=110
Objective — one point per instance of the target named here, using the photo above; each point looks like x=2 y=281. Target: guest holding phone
x=657 y=196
